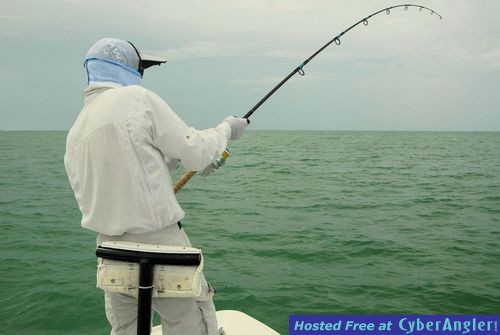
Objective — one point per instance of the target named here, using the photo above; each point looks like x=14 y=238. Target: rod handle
x=183 y=180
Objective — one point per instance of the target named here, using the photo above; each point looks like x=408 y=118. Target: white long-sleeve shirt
x=119 y=153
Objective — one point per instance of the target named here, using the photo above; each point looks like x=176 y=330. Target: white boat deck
x=235 y=323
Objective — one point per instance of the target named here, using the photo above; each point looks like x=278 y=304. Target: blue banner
x=394 y=324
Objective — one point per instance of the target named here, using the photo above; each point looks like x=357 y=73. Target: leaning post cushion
x=154 y=254
x=131 y=268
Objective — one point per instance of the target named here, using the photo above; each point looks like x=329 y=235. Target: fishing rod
x=300 y=70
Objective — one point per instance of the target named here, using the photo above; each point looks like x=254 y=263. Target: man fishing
x=119 y=154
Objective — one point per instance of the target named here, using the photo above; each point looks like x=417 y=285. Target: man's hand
x=237 y=125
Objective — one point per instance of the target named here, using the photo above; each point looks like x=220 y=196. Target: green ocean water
x=296 y=222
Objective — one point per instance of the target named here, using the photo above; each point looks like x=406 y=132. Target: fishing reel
x=216 y=164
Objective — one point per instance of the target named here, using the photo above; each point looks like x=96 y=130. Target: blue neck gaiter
x=102 y=70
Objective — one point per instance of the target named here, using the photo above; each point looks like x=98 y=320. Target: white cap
x=123 y=52
x=148 y=60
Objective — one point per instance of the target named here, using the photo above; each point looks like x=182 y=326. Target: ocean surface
x=295 y=222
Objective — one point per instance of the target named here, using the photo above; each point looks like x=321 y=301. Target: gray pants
x=179 y=316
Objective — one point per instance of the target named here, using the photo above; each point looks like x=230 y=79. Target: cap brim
x=150 y=60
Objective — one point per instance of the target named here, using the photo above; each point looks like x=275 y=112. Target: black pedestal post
x=144 y=299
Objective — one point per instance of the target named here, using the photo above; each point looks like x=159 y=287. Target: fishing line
x=300 y=70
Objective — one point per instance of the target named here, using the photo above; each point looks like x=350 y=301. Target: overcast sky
x=404 y=71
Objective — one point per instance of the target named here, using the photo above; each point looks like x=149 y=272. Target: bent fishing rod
x=300 y=70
